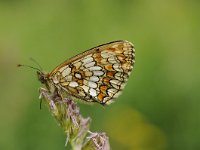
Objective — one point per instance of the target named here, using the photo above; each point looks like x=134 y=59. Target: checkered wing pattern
x=97 y=75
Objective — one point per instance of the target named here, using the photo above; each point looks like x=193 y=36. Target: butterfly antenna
x=20 y=65
x=32 y=59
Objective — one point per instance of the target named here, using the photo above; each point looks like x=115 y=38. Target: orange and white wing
x=96 y=75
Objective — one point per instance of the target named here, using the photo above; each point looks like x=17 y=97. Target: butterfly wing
x=97 y=75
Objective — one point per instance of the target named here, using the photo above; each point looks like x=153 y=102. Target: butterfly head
x=42 y=77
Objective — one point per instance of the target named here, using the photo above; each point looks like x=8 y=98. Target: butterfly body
x=96 y=75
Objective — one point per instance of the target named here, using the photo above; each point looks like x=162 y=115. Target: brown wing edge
x=84 y=53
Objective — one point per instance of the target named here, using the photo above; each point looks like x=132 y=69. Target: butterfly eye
x=41 y=77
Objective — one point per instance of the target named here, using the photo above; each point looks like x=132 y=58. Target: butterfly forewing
x=97 y=75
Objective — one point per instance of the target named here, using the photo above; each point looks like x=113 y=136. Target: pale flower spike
x=76 y=128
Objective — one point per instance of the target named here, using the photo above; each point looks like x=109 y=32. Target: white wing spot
x=104 y=54
x=87 y=60
x=117 y=67
x=85 y=88
x=115 y=86
x=94 y=78
x=63 y=68
x=73 y=84
x=117 y=82
x=92 y=84
x=112 y=91
x=66 y=72
x=107 y=54
x=93 y=92
x=112 y=60
x=85 y=82
x=98 y=73
x=68 y=78
x=89 y=64
x=119 y=74
x=95 y=68
x=77 y=75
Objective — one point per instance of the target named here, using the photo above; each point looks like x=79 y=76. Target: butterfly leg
x=58 y=94
x=44 y=93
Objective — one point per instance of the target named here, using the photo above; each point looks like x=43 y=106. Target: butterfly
x=96 y=75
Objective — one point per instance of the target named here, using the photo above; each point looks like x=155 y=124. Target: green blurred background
x=159 y=108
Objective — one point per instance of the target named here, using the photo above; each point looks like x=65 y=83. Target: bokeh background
x=159 y=108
